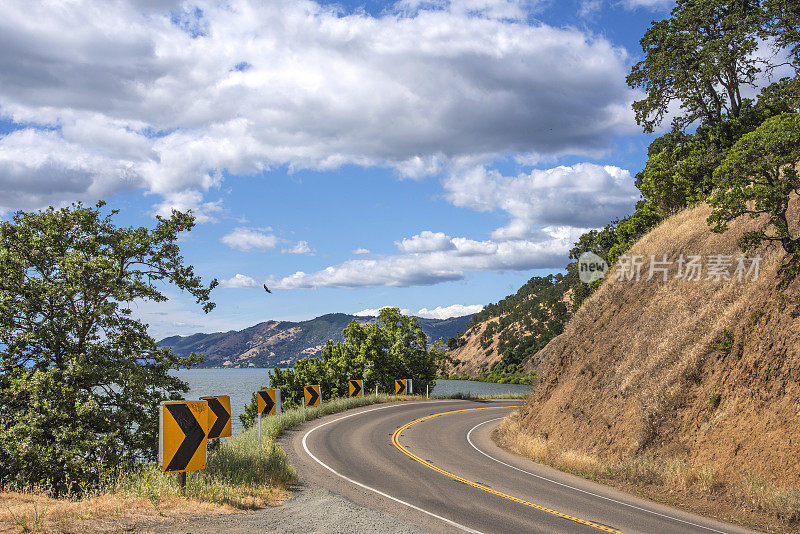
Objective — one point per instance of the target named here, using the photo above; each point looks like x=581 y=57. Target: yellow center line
x=396 y=442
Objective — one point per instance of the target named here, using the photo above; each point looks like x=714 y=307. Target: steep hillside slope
x=517 y=326
x=702 y=372
x=280 y=343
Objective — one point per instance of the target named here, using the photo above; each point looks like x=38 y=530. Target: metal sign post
x=269 y=402
x=182 y=438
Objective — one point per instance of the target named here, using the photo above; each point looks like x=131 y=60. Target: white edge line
x=469 y=439
x=359 y=484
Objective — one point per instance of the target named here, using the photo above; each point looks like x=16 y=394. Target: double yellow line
x=401 y=447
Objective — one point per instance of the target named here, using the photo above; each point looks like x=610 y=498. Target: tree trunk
x=792 y=246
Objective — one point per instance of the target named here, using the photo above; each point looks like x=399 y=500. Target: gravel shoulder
x=308 y=511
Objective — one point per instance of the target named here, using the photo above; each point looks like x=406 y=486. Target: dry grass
x=237 y=477
x=780 y=501
x=36 y=512
x=511 y=436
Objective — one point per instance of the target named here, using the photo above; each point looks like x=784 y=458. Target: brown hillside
x=703 y=372
x=472 y=357
x=481 y=349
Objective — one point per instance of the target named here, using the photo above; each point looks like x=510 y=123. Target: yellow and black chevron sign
x=401 y=387
x=269 y=401
x=356 y=388
x=182 y=435
x=219 y=416
x=312 y=395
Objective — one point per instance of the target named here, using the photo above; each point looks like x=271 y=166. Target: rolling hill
x=280 y=343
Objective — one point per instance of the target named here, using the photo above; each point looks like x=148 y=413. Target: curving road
x=433 y=464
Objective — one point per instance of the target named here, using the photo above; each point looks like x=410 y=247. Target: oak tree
x=80 y=377
x=700 y=58
x=757 y=179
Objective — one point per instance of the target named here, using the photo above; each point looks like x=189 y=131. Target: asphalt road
x=443 y=473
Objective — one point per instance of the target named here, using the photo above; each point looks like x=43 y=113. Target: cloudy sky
x=426 y=155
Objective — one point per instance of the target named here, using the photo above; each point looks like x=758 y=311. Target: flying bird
x=267 y=289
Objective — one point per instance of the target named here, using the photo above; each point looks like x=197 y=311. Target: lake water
x=241 y=383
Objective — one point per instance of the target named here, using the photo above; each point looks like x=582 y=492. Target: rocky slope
x=279 y=343
x=703 y=372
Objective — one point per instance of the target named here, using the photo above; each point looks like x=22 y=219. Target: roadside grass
x=36 y=511
x=746 y=492
x=238 y=476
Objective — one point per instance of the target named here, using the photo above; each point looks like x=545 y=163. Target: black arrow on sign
x=193 y=432
x=222 y=417
x=268 y=402
x=402 y=384
x=314 y=396
x=356 y=388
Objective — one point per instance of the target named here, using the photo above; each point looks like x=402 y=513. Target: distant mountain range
x=280 y=343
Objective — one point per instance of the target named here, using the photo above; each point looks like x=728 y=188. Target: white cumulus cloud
x=168 y=98
x=425 y=241
x=445 y=312
x=433 y=267
x=440 y=312
x=548 y=209
x=584 y=195
x=301 y=247
x=647 y=4
x=374 y=312
x=239 y=281
x=246 y=239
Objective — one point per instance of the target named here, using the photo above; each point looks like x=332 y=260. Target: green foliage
x=391 y=348
x=724 y=342
x=496 y=377
x=598 y=242
x=455 y=342
x=509 y=369
x=632 y=228
x=784 y=26
x=680 y=167
x=701 y=57
x=714 y=399
x=757 y=178
x=80 y=379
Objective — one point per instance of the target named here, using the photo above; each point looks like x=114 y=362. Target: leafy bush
x=724 y=342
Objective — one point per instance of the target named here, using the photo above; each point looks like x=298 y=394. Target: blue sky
x=426 y=155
